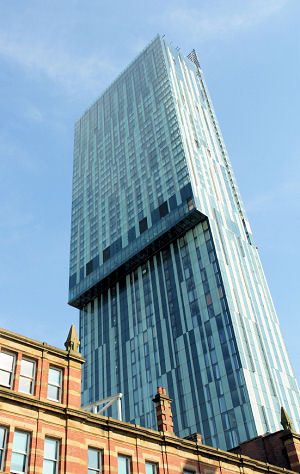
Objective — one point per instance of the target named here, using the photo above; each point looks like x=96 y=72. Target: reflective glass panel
x=6 y=361
x=27 y=368
x=20 y=441
x=150 y=468
x=54 y=376
x=6 y=368
x=2 y=445
x=2 y=436
x=53 y=392
x=123 y=465
x=18 y=462
x=25 y=385
x=49 y=467
x=93 y=458
x=5 y=378
x=50 y=449
x=50 y=456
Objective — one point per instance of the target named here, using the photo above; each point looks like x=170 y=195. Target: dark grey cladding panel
x=173 y=226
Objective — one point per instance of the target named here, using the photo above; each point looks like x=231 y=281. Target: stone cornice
x=206 y=453
x=43 y=346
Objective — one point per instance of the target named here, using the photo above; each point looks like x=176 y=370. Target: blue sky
x=56 y=57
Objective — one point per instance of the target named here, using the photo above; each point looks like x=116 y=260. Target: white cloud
x=75 y=73
x=200 y=25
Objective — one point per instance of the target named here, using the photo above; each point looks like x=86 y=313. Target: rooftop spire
x=194 y=58
x=72 y=343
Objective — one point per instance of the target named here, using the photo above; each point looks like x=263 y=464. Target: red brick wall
x=268 y=448
x=77 y=430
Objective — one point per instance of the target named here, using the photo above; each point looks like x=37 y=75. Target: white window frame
x=26 y=376
x=57 y=453
x=12 y=372
x=25 y=453
x=153 y=465
x=128 y=462
x=3 y=447
x=55 y=385
x=99 y=455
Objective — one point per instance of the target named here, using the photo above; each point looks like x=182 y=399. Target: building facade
x=163 y=265
x=43 y=430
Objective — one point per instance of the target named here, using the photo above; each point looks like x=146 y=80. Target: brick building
x=43 y=429
x=281 y=448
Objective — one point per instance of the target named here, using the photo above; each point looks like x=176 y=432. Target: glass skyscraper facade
x=163 y=265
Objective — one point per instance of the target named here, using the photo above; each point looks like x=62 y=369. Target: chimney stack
x=163 y=410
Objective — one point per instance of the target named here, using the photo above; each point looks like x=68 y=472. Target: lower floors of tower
x=168 y=323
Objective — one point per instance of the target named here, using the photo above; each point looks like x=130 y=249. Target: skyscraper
x=163 y=264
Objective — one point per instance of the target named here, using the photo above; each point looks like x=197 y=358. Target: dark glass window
x=72 y=280
x=131 y=234
x=155 y=216
x=186 y=192
x=106 y=254
x=116 y=246
x=163 y=209
x=89 y=267
x=143 y=225
x=173 y=202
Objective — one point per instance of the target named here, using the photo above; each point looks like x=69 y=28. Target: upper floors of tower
x=145 y=153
